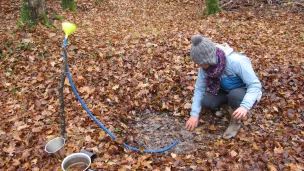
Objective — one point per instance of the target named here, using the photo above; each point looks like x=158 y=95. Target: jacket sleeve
x=244 y=70
x=199 y=93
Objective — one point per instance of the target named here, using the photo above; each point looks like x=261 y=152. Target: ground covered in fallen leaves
x=130 y=57
x=157 y=131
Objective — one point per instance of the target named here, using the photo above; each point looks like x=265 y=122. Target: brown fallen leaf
x=296 y=167
x=233 y=153
x=16 y=162
x=11 y=149
x=278 y=150
x=255 y=147
x=16 y=136
x=271 y=167
x=177 y=162
x=212 y=128
x=52 y=35
x=37 y=129
x=48 y=132
x=158 y=119
x=115 y=87
x=88 y=138
x=187 y=106
x=21 y=127
x=26 y=153
x=90 y=69
x=2 y=132
x=34 y=161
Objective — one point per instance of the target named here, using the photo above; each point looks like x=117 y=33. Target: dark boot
x=233 y=127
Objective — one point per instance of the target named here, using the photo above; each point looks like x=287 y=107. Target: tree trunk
x=68 y=4
x=212 y=6
x=32 y=11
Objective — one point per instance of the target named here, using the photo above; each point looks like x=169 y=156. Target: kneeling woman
x=224 y=77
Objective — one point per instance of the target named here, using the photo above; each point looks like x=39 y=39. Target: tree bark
x=32 y=11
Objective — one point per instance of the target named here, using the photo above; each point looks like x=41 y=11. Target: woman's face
x=204 y=66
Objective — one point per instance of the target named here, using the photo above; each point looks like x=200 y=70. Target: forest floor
x=130 y=63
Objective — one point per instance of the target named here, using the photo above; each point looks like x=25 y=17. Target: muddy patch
x=157 y=130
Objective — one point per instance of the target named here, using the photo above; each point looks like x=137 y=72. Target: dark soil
x=156 y=130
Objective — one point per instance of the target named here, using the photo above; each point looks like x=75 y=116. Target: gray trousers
x=233 y=98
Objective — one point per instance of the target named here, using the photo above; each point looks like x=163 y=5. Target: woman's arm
x=244 y=70
x=199 y=93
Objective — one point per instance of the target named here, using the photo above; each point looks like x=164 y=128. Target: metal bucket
x=55 y=147
x=76 y=162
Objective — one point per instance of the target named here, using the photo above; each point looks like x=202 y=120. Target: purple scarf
x=214 y=72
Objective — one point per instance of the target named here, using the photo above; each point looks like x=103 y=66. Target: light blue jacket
x=238 y=73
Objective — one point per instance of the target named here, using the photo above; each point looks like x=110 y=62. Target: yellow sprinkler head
x=68 y=28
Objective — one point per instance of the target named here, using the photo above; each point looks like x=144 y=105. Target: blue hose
x=65 y=41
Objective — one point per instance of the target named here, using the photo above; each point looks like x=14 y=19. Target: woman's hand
x=192 y=123
x=239 y=113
